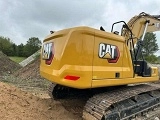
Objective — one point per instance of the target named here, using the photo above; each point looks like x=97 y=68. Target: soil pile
x=18 y=105
x=31 y=71
x=28 y=78
x=7 y=66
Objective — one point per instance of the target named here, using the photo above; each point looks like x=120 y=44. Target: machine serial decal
x=109 y=52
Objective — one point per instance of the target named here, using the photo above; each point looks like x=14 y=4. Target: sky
x=22 y=19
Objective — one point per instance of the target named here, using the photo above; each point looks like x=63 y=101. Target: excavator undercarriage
x=123 y=104
x=132 y=102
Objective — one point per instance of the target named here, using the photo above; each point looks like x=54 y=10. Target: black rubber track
x=123 y=104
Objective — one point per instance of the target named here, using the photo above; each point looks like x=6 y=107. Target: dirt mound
x=7 y=65
x=31 y=71
x=18 y=105
x=28 y=77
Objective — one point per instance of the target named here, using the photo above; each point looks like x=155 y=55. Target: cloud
x=23 y=19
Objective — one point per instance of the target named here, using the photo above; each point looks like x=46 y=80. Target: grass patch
x=17 y=59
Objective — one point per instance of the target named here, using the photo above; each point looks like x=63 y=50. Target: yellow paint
x=77 y=54
x=116 y=82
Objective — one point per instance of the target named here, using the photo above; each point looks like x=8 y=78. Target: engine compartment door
x=107 y=60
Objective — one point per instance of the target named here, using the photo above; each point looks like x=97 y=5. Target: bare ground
x=23 y=96
x=7 y=66
x=16 y=104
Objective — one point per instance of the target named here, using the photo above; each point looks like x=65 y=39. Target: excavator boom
x=141 y=24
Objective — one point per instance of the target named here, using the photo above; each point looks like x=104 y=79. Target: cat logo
x=47 y=51
x=109 y=52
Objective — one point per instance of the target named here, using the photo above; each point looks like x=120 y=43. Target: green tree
x=151 y=58
x=14 y=47
x=7 y=46
x=150 y=46
x=20 y=50
x=32 y=46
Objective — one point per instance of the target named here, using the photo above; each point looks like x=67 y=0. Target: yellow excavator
x=84 y=58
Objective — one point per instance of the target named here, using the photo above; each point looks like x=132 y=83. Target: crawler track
x=131 y=102
x=139 y=102
x=61 y=92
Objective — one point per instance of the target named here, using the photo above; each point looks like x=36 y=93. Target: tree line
x=23 y=50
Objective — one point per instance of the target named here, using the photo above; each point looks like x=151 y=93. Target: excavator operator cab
x=140 y=65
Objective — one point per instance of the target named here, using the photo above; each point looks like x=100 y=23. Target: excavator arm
x=141 y=24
